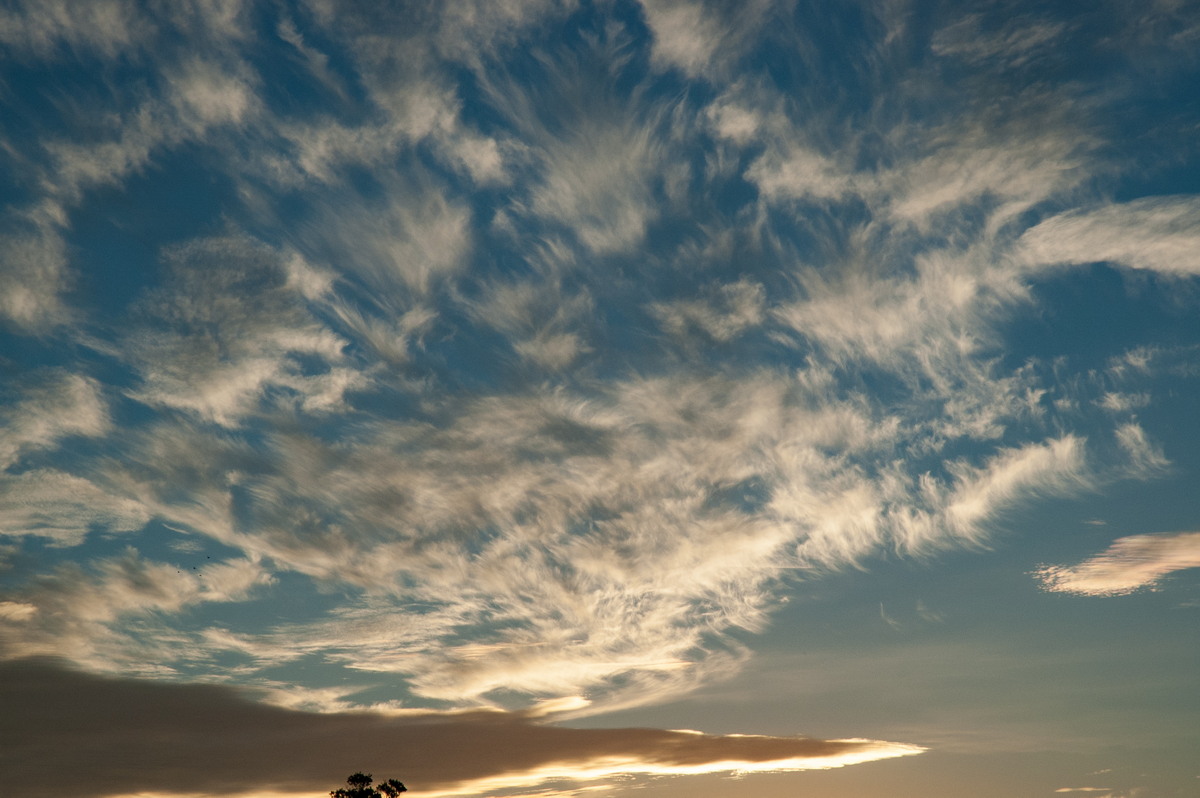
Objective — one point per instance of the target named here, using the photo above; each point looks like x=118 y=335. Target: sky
x=600 y=398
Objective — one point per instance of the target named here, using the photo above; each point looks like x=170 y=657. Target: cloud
x=1155 y=233
x=230 y=326
x=731 y=310
x=1017 y=42
x=34 y=277
x=104 y=27
x=557 y=545
x=546 y=325
x=1146 y=458
x=144 y=737
x=105 y=613
x=552 y=371
x=933 y=320
x=685 y=35
x=1129 y=564
x=57 y=406
x=63 y=508
x=1118 y=402
x=200 y=98
x=957 y=513
x=590 y=155
x=795 y=173
x=61 y=161
x=965 y=166
x=702 y=39
x=207 y=94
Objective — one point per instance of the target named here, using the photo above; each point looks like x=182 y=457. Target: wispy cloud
x=703 y=39
x=1155 y=233
x=1129 y=564
x=63 y=508
x=1014 y=44
x=56 y=406
x=592 y=155
x=42 y=29
x=105 y=614
x=34 y=279
x=228 y=327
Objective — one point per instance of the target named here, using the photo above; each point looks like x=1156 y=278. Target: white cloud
x=16 y=611
x=968 y=166
x=545 y=325
x=207 y=94
x=202 y=97
x=958 y=513
x=406 y=245
x=931 y=327
x=702 y=39
x=731 y=121
x=731 y=310
x=316 y=60
x=685 y=35
x=33 y=277
x=1156 y=233
x=58 y=406
x=798 y=172
x=1146 y=458
x=557 y=545
x=227 y=330
x=1055 y=468
x=474 y=28
x=45 y=27
x=597 y=183
x=1129 y=564
x=590 y=155
x=110 y=617
x=63 y=508
x=1013 y=45
x=1118 y=402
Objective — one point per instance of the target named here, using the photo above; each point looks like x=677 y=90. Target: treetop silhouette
x=358 y=785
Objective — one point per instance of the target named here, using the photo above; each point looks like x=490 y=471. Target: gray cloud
x=126 y=737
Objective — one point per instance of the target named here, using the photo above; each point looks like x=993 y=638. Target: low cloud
x=1129 y=564
x=130 y=737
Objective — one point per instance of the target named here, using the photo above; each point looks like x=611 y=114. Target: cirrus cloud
x=1129 y=564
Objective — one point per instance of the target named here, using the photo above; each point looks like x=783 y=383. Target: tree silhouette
x=358 y=785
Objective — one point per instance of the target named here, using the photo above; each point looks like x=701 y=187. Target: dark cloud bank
x=64 y=732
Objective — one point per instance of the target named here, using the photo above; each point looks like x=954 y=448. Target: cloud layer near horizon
x=214 y=740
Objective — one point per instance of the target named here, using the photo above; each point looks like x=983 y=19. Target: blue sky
x=552 y=398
